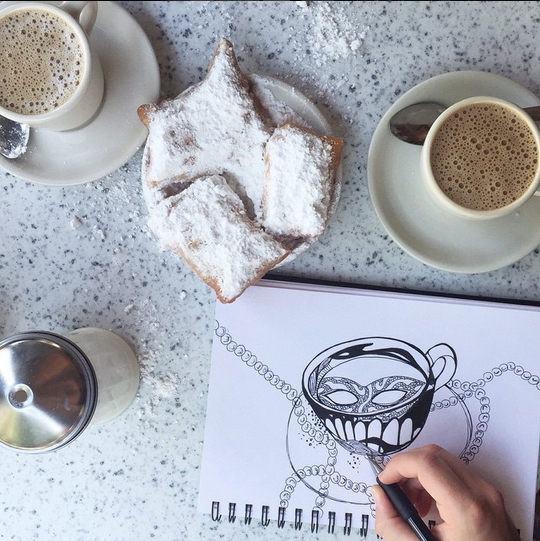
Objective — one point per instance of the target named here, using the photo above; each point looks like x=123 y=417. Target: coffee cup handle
x=85 y=13
x=443 y=364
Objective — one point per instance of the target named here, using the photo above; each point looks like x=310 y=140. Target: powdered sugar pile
x=162 y=385
x=334 y=35
x=219 y=114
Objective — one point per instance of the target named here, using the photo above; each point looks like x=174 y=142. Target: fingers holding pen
x=418 y=496
x=470 y=508
x=437 y=473
x=388 y=523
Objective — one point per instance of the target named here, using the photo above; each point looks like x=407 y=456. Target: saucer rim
x=93 y=168
x=457 y=83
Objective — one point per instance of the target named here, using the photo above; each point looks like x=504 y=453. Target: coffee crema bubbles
x=484 y=156
x=41 y=64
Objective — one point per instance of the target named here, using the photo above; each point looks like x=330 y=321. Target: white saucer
x=116 y=133
x=412 y=219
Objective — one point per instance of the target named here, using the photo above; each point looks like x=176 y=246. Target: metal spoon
x=13 y=138
x=412 y=123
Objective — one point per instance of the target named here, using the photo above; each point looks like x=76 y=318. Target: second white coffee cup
x=57 y=82
x=480 y=159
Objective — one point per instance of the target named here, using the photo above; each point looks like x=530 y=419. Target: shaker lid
x=48 y=391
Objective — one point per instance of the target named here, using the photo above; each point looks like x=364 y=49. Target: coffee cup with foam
x=50 y=76
x=480 y=159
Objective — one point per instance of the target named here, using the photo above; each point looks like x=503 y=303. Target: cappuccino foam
x=484 y=157
x=41 y=64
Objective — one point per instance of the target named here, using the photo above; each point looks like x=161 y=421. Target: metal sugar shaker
x=52 y=387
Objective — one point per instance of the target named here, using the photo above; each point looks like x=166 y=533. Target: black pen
x=407 y=511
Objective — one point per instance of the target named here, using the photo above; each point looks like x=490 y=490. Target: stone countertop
x=83 y=255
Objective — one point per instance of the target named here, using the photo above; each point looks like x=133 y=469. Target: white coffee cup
x=481 y=158
x=49 y=90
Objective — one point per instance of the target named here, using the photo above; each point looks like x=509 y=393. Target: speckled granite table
x=83 y=255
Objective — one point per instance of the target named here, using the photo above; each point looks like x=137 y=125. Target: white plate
x=412 y=219
x=116 y=133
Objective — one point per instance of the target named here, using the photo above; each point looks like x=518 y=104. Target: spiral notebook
x=307 y=377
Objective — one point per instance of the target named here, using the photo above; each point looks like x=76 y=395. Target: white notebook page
x=267 y=445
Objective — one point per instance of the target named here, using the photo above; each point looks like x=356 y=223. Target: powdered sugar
x=334 y=35
x=204 y=173
x=299 y=181
x=161 y=385
x=200 y=129
x=279 y=112
x=207 y=224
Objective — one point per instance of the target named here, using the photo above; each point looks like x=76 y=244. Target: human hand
x=470 y=508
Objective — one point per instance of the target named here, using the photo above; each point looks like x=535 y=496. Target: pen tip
x=377 y=469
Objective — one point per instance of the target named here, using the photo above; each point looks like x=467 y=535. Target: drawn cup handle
x=443 y=364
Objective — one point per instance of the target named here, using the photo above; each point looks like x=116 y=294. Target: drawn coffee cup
x=374 y=394
x=51 y=77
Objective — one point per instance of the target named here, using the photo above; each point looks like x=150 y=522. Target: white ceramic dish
x=116 y=133
x=411 y=217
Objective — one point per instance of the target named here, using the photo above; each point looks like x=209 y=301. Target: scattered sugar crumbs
x=333 y=34
x=161 y=385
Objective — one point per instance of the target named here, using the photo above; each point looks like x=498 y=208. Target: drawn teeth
x=331 y=427
x=395 y=433
x=360 y=431
x=375 y=447
x=374 y=429
x=340 y=430
x=405 y=433
x=391 y=432
x=349 y=431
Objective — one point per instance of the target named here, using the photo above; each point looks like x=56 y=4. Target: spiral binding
x=298 y=513
x=298 y=518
